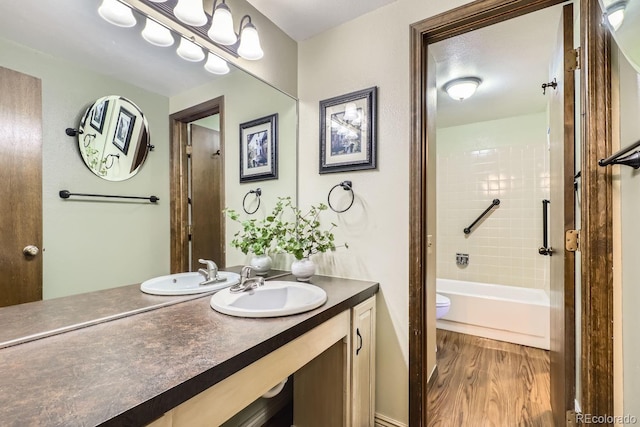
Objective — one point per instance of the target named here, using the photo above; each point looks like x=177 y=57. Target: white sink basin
x=186 y=283
x=274 y=299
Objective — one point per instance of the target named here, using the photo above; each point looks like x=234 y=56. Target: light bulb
x=191 y=12
x=216 y=65
x=117 y=13
x=190 y=51
x=221 y=30
x=157 y=34
x=460 y=89
x=250 y=43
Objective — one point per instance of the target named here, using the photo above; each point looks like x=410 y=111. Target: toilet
x=442 y=305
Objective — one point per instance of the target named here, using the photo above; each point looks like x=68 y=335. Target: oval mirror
x=623 y=19
x=113 y=138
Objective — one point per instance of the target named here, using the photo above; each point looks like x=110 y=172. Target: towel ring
x=258 y=193
x=347 y=186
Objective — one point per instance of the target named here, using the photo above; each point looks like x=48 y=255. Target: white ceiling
x=302 y=19
x=511 y=58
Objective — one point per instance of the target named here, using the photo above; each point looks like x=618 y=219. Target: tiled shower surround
x=507 y=159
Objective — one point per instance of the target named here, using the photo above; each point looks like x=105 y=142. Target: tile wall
x=507 y=159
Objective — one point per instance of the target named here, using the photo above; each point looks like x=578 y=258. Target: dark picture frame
x=259 y=149
x=348 y=132
x=124 y=127
x=98 y=115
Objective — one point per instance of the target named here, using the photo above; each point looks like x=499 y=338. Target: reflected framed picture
x=98 y=114
x=124 y=128
x=348 y=132
x=259 y=149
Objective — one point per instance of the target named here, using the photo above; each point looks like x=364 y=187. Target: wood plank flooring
x=487 y=383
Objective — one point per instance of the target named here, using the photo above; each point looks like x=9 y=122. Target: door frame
x=179 y=179
x=596 y=194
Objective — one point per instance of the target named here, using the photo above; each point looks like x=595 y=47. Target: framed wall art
x=259 y=149
x=124 y=128
x=99 y=114
x=348 y=132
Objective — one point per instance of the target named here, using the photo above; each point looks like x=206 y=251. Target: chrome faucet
x=210 y=274
x=247 y=282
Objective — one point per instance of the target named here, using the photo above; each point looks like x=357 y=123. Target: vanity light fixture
x=463 y=88
x=614 y=14
x=216 y=65
x=249 y=41
x=221 y=30
x=117 y=13
x=189 y=51
x=157 y=34
x=191 y=12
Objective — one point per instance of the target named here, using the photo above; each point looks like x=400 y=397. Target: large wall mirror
x=95 y=244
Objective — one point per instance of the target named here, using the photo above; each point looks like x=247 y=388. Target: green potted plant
x=258 y=237
x=304 y=237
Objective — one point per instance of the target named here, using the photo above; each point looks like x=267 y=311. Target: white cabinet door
x=363 y=345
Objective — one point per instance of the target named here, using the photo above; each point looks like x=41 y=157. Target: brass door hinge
x=189 y=149
x=573 y=59
x=572 y=240
x=189 y=231
x=571 y=419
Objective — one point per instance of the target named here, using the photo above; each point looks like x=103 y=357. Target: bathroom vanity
x=183 y=364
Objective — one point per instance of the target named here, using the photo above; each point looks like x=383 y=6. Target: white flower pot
x=303 y=269
x=261 y=264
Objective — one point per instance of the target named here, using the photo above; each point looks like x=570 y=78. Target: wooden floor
x=487 y=383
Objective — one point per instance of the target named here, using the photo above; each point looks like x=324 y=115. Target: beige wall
x=629 y=292
x=95 y=245
x=372 y=50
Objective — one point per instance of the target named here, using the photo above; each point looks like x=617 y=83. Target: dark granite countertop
x=131 y=370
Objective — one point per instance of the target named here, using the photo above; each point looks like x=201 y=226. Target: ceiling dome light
x=249 y=41
x=221 y=30
x=117 y=13
x=615 y=14
x=190 y=51
x=216 y=65
x=191 y=12
x=460 y=89
x=157 y=34
x=157 y=1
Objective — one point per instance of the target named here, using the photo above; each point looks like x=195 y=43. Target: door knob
x=30 y=250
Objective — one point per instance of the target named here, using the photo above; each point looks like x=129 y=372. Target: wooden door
x=207 y=220
x=20 y=188
x=562 y=218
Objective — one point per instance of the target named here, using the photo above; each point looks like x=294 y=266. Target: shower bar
x=545 y=249
x=632 y=160
x=495 y=202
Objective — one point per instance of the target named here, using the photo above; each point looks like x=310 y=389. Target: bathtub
x=504 y=313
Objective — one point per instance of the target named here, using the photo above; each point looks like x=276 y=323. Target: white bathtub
x=505 y=313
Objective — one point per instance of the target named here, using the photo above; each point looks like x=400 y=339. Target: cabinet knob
x=30 y=250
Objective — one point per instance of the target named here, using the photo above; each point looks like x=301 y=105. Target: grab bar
x=545 y=249
x=495 y=202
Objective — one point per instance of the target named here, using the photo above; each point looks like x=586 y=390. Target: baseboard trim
x=384 y=421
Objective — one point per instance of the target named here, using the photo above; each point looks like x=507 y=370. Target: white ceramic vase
x=303 y=269
x=261 y=264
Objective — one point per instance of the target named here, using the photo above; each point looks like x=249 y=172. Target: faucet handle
x=212 y=268
x=246 y=271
